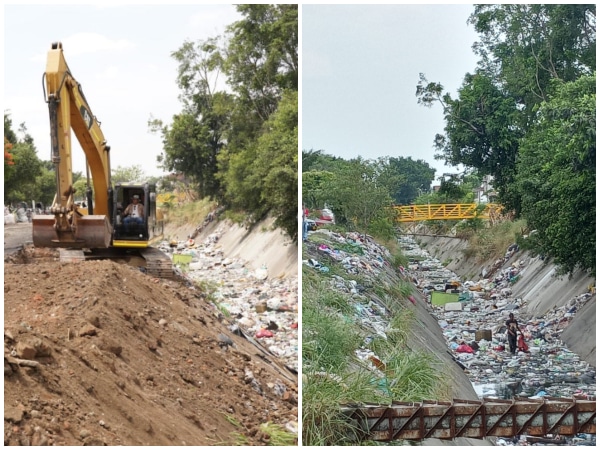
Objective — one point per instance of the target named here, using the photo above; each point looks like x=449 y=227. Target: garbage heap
x=472 y=316
x=360 y=255
x=263 y=309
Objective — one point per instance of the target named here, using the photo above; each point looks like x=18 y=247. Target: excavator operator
x=134 y=213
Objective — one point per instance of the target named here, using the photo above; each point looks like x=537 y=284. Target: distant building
x=486 y=193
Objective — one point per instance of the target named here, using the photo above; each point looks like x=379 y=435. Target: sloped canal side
x=259 y=297
x=368 y=337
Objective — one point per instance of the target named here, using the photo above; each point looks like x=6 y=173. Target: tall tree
x=262 y=56
x=197 y=135
x=525 y=46
x=228 y=138
x=9 y=133
x=357 y=194
x=522 y=48
x=262 y=68
x=20 y=178
x=481 y=130
x=315 y=160
x=413 y=178
x=130 y=174
x=557 y=176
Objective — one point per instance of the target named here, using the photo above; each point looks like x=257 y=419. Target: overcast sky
x=121 y=57
x=360 y=69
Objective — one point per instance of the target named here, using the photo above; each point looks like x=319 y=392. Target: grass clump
x=323 y=394
x=492 y=242
x=189 y=212
x=412 y=376
x=277 y=435
x=328 y=338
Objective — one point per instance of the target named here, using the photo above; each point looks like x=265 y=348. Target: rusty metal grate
x=473 y=418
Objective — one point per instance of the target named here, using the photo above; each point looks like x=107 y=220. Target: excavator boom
x=68 y=226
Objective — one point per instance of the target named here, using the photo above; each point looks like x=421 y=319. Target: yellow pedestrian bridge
x=447 y=211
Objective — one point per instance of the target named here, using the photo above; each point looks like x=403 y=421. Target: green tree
x=557 y=176
x=228 y=141
x=358 y=196
x=315 y=188
x=413 y=178
x=522 y=49
x=262 y=56
x=21 y=184
x=318 y=160
x=20 y=178
x=526 y=46
x=264 y=177
x=481 y=130
x=262 y=69
x=198 y=134
x=45 y=185
x=9 y=133
x=277 y=164
x=133 y=174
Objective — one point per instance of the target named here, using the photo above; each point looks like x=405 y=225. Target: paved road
x=15 y=236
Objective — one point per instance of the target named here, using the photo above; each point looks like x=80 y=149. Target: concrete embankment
x=539 y=287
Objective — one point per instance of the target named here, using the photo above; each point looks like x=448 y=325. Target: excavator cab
x=127 y=230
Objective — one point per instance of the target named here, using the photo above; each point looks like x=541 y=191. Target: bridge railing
x=446 y=211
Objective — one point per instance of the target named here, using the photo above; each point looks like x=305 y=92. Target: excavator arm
x=67 y=226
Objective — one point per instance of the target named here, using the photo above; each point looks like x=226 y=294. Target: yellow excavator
x=98 y=229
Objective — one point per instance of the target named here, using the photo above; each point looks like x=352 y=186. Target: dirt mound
x=98 y=353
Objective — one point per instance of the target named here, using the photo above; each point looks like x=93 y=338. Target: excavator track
x=156 y=263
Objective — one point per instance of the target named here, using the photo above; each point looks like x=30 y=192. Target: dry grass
x=492 y=242
x=189 y=212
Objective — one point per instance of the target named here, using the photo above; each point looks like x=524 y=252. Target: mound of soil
x=99 y=353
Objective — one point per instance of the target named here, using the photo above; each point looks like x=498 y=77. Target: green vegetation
x=492 y=242
x=26 y=177
x=278 y=435
x=187 y=212
x=240 y=145
x=274 y=434
x=557 y=176
x=527 y=117
x=332 y=332
x=361 y=192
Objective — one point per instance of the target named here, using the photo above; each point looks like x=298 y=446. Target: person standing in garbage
x=512 y=327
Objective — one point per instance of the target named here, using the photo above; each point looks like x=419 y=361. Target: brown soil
x=99 y=353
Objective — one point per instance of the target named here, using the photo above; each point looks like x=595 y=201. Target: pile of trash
x=263 y=309
x=472 y=316
x=357 y=254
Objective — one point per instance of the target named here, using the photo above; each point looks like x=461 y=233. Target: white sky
x=360 y=69
x=121 y=56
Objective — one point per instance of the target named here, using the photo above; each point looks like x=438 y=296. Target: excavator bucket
x=92 y=231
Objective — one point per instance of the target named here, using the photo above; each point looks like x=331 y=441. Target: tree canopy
x=529 y=56
x=361 y=191
x=235 y=136
x=557 y=175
